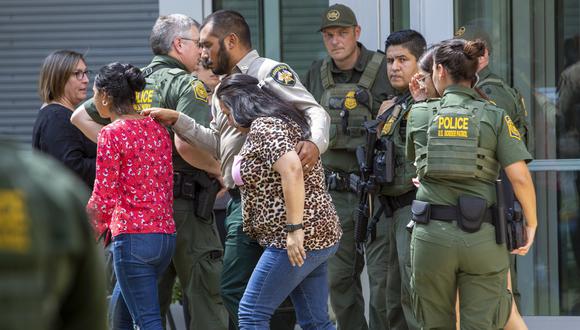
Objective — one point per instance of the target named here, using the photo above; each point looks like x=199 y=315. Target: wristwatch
x=290 y=227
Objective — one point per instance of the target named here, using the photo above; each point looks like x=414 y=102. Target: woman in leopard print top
x=275 y=194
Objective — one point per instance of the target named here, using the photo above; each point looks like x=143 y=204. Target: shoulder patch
x=513 y=131
x=282 y=74
x=199 y=90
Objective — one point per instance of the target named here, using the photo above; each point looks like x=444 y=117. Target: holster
x=205 y=197
x=384 y=162
x=516 y=228
x=199 y=188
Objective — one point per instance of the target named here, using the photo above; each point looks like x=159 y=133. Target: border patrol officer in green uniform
x=198 y=255
x=351 y=85
x=403 y=49
x=227 y=48
x=459 y=144
x=504 y=96
x=507 y=98
x=51 y=275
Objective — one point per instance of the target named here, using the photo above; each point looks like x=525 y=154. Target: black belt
x=451 y=213
x=235 y=193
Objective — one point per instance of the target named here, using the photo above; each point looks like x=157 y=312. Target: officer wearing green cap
x=198 y=255
x=493 y=86
x=50 y=271
x=350 y=83
x=459 y=143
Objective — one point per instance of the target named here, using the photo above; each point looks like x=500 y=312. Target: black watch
x=290 y=227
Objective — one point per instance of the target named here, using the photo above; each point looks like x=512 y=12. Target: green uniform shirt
x=178 y=90
x=51 y=275
x=404 y=168
x=503 y=99
x=499 y=137
x=380 y=90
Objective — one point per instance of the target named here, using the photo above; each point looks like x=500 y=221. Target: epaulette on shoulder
x=176 y=71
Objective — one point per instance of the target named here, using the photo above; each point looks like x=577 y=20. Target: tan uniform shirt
x=225 y=141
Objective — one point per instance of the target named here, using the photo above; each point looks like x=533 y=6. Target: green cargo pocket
x=209 y=275
x=503 y=310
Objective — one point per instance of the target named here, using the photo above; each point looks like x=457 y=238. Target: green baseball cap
x=472 y=32
x=338 y=15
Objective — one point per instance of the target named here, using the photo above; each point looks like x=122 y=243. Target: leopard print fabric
x=264 y=210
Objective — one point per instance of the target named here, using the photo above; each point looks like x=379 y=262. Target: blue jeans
x=139 y=261
x=274 y=279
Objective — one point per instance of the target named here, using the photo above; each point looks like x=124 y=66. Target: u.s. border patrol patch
x=512 y=129
x=283 y=75
x=199 y=90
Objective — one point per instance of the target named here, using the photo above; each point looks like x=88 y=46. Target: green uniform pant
x=241 y=256
x=346 y=296
x=198 y=264
x=399 y=308
x=445 y=259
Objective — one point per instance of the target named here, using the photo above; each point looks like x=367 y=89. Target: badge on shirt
x=350 y=100
x=283 y=75
x=199 y=90
x=514 y=133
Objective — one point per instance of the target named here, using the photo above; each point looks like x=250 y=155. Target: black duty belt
x=451 y=213
x=184 y=185
x=235 y=193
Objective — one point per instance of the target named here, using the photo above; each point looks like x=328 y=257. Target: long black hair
x=248 y=101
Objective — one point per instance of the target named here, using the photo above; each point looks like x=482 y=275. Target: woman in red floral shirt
x=132 y=197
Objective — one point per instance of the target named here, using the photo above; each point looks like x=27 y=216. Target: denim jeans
x=274 y=279
x=139 y=261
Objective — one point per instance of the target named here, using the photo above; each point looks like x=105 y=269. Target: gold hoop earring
x=104 y=103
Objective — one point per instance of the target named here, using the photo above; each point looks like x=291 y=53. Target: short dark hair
x=56 y=69
x=460 y=58
x=409 y=39
x=225 y=22
x=120 y=82
x=247 y=102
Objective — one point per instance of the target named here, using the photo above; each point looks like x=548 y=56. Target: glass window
x=400 y=15
x=252 y=12
x=301 y=42
x=492 y=20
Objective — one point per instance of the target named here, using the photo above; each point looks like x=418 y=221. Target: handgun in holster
x=207 y=190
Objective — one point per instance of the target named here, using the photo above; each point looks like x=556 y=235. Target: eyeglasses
x=196 y=42
x=81 y=74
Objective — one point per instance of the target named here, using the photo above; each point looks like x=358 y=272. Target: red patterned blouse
x=134 y=181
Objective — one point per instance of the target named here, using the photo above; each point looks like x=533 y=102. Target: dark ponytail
x=460 y=58
x=120 y=82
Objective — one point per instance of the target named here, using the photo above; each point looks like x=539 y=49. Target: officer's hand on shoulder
x=166 y=117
